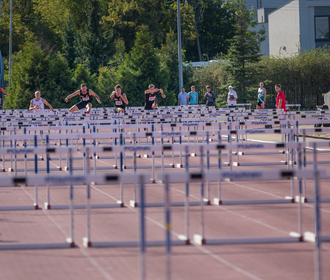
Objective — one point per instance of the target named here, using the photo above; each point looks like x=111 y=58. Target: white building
x=293 y=26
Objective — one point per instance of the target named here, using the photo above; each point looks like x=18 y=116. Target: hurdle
x=142 y=179
x=200 y=239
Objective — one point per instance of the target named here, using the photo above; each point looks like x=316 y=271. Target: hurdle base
x=171 y=165
x=193 y=154
x=290 y=198
x=218 y=201
x=47 y=206
x=311 y=200
x=302 y=199
x=198 y=239
x=37 y=246
x=18 y=208
x=146 y=156
x=115 y=166
x=132 y=243
x=184 y=238
x=3 y=170
x=178 y=165
x=66 y=168
x=133 y=203
x=86 y=242
x=121 y=203
x=249 y=240
x=70 y=242
x=11 y=170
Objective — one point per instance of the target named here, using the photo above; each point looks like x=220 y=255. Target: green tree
x=126 y=16
x=142 y=67
x=34 y=70
x=244 y=51
x=214 y=25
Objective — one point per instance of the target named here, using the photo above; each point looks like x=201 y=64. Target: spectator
x=193 y=96
x=232 y=96
x=210 y=96
x=280 y=100
x=183 y=98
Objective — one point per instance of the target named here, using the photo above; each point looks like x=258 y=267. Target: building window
x=259 y=4
x=322 y=27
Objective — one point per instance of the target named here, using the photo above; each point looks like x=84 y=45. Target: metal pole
x=10 y=38
x=179 y=46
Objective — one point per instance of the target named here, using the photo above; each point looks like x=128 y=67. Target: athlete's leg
x=73 y=108
x=89 y=107
x=263 y=105
x=120 y=110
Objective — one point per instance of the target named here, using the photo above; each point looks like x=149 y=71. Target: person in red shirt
x=2 y=91
x=280 y=100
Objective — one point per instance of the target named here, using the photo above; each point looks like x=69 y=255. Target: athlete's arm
x=32 y=107
x=124 y=97
x=96 y=96
x=152 y=90
x=279 y=104
x=4 y=92
x=50 y=106
x=265 y=95
x=71 y=95
x=162 y=93
x=112 y=95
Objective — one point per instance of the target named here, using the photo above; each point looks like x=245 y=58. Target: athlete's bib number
x=85 y=98
x=119 y=102
x=152 y=98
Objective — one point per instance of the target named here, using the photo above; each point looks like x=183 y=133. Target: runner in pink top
x=280 y=100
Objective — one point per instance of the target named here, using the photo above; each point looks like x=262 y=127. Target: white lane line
x=207 y=252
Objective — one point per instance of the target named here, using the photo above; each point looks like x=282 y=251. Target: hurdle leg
x=317 y=218
x=167 y=227
x=142 y=232
x=36 y=172
x=71 y=238
x=87 y=239
x=47 y=203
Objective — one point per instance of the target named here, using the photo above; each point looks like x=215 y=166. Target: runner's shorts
x=82 y=104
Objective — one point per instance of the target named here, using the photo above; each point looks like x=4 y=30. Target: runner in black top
x=120 y=99
x=151 y=98
x=86 y=99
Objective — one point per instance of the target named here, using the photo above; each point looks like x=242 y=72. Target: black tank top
x=150 y=99
x=85 y=97
x=119 y=103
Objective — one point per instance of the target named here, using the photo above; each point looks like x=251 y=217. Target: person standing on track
x=261 y=97
x=1 y=95
x=151 y=97
x=37 y=104
x=183 y=97
x=280 y=99
x=86 y=99
x=210 y=96
x=232 y=96
x=120 y=99
x=193 y=96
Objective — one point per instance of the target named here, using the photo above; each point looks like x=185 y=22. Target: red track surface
x=262 y=261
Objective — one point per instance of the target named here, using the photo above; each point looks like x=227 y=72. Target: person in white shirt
x=232 y=96
x=37 y=104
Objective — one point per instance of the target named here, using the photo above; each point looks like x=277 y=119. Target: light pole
x=10 y=38
x=179 y=47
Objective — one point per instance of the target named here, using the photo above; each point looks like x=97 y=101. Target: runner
x=86 y=99
x=120 y=99
x=37 y=104
x=150 y=95
x=261 y=97
x=1 y=95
